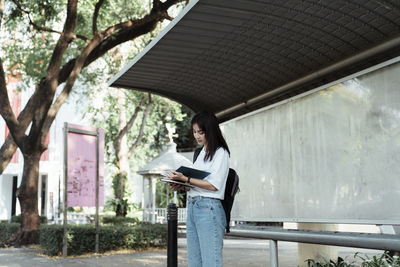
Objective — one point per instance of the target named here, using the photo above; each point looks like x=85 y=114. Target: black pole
x=172 y=249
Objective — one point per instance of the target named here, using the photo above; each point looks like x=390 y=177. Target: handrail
x=344 y=239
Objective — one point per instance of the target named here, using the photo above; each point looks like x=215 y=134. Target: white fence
x=75 y=218
x=159 y=215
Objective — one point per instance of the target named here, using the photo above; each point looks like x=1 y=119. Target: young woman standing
x=206 y=222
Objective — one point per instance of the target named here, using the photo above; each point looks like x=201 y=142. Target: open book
x=188 y=172
x=176 y=182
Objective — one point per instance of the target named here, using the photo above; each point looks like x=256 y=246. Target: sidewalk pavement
x=237 y=252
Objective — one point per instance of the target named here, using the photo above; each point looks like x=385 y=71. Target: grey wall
x=329 y=156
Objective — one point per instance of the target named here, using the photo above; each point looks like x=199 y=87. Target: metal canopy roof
x=235 y=56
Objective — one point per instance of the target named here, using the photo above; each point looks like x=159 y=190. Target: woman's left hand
x=175 y=187
x=177 y=176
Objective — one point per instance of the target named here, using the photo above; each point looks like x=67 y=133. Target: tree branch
x=7 y=151
x=6 y=111
x=49 y=84
x=31 y=22
x=141 y=131
x=66 y=37
x=143 y=26
x=43 y=28
x=95 y=16
x=167 y=4
x=159 y=11
x=1 y=11
x=79 y=65
x=131 y=29
x=129 y=125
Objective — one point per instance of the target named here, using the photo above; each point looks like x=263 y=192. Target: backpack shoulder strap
x=196 y=153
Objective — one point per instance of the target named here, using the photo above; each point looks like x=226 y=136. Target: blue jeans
x=205 y=229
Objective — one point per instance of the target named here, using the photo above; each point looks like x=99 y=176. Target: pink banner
x=82 y=158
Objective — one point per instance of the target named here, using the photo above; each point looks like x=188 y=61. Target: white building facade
x=50 y=185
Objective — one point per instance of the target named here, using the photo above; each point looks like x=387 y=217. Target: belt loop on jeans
x=200 y=197
x=193 y=198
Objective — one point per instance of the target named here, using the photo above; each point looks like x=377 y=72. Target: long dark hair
x=208 y=123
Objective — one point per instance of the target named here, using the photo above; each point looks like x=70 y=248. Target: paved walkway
x=237 y=252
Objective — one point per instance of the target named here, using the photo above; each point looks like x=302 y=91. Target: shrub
x=148 y=235
x=51 y=238
x=119 y=220
x=384 y=259
x=81 y=238
x=331 y=263
x=7 y=230
x=18 y=219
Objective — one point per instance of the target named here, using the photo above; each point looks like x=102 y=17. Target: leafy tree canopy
x=32 y=28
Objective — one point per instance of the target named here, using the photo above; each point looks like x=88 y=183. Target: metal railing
x=357 y=240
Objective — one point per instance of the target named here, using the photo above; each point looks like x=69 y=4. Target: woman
x=205 y=224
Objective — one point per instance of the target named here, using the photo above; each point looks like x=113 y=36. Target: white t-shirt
x=218 y=168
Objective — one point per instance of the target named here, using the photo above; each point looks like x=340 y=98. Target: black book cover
x=192 y=173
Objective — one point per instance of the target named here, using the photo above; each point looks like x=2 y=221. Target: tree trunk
x=122 y=158
x=119 y=183
x=121 y=209
x=28 y=199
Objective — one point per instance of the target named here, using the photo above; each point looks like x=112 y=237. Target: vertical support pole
x=273 y=253
x=167 y=189
x=59 y=195
x=65 y=189
x=172 y=249
x=313 y=251
x=96 y=248
x=153 y=199
x=145 y=197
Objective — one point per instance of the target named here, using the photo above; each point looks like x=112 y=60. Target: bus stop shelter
x=235 y=56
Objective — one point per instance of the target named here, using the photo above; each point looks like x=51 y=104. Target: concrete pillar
x=316 y=252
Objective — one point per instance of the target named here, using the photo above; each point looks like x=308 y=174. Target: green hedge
x=119 y=220
x=7 y=230
x=17 y=219
x=81 y=238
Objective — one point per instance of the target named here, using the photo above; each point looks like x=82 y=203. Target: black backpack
x=231 y=188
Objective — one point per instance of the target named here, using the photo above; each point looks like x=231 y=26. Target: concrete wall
x=331 y=155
